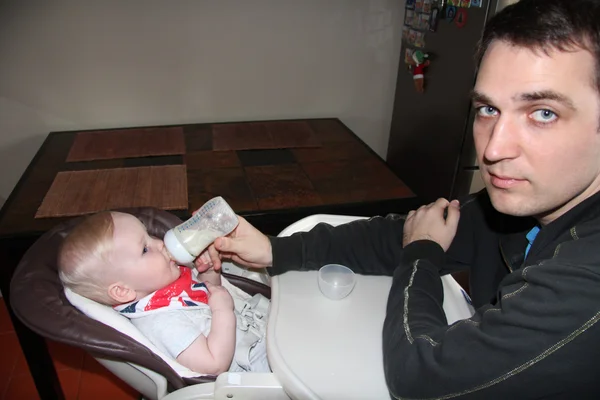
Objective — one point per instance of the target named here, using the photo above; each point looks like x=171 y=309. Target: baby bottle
x=186 y=241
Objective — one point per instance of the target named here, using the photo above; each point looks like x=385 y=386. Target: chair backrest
x=52 y=316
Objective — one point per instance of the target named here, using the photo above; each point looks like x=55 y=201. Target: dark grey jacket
x=535 y=333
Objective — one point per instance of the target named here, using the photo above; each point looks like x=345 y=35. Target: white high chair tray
x=325 y=349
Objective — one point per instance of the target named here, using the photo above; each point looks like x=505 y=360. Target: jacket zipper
x=504 y=258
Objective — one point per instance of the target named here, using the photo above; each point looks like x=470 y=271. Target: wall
x=69 y=64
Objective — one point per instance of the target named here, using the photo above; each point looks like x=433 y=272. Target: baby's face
x=139 y=260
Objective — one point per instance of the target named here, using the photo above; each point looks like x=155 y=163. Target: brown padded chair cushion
x=52 y=316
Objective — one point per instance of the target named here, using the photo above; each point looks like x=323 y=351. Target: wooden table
x=272 y=188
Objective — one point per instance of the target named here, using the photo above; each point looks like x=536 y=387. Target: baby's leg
x=258 y=357
x=250 y=352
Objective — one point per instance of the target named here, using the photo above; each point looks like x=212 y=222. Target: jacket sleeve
x=536 y=331
x=370 y=247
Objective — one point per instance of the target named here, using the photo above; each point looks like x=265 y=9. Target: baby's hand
x=210 y=275
x=203 y=263
x=219 y=299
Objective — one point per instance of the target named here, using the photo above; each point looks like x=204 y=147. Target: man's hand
x=246 y=245
x=219 y=299
x=428 y=223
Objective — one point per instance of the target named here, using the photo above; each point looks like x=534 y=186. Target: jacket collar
x=513 y=246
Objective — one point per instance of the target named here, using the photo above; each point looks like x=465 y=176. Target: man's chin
x=508 y=204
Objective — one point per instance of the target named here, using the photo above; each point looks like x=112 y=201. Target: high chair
x=39 y=301
x=122 y=349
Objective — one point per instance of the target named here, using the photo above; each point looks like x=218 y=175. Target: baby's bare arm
x=213 y=354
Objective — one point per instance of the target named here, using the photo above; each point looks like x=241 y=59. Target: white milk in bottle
x=186 y=241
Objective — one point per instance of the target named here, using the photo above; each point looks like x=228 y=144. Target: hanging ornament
x=419 y=62
x=433 y=19
x=461 y=17
x=450 y=13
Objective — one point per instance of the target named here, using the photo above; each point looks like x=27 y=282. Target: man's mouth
x=504 y=182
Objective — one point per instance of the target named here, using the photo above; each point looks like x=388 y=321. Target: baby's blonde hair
x=83 y=258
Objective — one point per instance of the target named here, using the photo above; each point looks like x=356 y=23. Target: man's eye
x=487 y=111
x=544 y=116
x=145 y=250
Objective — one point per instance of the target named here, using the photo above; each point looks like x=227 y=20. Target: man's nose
x=503 y=143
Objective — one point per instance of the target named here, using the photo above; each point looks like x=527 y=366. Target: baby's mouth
x=168 y=255
x=171 y=260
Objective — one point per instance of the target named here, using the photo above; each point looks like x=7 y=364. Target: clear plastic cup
x=186 y=241
x=336 y=281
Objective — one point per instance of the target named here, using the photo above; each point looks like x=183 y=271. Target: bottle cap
x=179 y=253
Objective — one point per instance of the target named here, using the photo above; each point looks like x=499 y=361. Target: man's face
x=537 y=130
x=139 y=260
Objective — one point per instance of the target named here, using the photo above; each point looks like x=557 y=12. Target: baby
x=110 y=258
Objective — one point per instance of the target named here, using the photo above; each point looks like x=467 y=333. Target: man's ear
x=121 y=293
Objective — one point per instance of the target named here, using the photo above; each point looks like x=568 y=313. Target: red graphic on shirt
x=182 y=287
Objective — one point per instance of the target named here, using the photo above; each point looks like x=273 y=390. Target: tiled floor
x=81 y=376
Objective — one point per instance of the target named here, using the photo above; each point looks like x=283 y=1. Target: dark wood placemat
x=263 y=135
x=126 y=143
x=83 y=192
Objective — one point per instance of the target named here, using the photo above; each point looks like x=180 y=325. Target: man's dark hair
x=546 y=25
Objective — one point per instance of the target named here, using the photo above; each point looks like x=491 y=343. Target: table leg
x=34 y=346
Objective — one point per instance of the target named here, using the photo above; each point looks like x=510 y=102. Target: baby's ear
x=121 y=293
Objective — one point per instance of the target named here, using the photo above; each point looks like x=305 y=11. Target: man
x=537 y=134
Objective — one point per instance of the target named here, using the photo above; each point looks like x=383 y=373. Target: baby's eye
x=145 y=250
